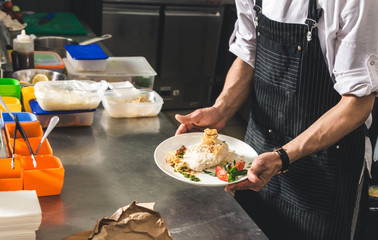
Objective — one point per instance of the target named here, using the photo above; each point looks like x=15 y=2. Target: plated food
x=206 y=159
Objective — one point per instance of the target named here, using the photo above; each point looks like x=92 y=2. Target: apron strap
x=313 y=14
x=259 y=3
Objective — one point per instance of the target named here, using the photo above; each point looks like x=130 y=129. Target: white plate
x=243 y=150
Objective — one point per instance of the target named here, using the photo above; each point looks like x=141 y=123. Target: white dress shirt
x=348 y=34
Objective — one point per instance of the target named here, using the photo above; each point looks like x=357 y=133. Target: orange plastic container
x=11 y=179
x=23 y=150
x=32 y=129
x=13 y=104
x=47 y=178
x=27 y=95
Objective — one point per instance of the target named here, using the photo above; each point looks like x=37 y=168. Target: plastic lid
x=86 y=52
x=37 y=110
x=118 y=67
x=47 y=60
x=23 y=37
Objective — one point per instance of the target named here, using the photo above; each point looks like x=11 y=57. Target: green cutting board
x=61 y=24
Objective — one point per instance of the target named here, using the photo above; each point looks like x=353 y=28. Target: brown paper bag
x=136 y=221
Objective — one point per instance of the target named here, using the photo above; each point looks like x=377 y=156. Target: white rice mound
x=200 y=156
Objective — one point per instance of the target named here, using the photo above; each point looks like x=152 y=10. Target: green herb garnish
x=210 y=173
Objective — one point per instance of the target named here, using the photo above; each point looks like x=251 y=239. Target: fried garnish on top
x=209 y=139
x=209 y=136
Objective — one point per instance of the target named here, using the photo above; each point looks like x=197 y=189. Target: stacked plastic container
x=47 y=177
x=73 y=101
x=136 y=70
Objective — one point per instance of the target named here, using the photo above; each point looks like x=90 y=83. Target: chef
x=310 y=68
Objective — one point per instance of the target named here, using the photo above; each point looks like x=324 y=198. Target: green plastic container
x=10 y=87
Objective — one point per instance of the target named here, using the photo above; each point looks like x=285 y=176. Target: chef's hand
x=264 y=167
x=197 y=121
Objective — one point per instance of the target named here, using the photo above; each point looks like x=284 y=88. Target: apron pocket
x=278 y=64
x=311 y=183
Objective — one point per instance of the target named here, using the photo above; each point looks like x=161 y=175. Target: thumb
x=188 y=119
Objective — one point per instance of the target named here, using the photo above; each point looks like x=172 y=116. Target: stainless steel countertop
x=110 y=164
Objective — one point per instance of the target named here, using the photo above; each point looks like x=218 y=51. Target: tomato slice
x=239 y=165
x=221 y=173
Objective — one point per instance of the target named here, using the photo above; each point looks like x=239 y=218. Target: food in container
x=136 y=70
x=69 y=95
x=66 y=118
x=128 y=103
x=86 y=57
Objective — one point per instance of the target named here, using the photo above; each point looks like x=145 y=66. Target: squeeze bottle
x=23 y=52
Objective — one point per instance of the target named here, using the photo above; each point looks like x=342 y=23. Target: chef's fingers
x=238 y=186
x=190 y=118
x=181 y=129
x=256 y=183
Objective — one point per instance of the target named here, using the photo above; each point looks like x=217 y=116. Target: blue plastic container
x=22 y=117
x=86 y=52
x=86 y=57
x=66 y=118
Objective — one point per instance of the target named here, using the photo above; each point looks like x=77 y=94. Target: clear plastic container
x=86 y=57
x=121 y=85
x=136 y=70
x=69 y=95
x=66 y=118
x=119 y=103
x=48 y=60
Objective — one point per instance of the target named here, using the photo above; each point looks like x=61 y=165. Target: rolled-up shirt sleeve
x=356 y=50
x=243 y=40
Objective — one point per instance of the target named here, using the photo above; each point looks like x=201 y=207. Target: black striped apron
x=292 y=88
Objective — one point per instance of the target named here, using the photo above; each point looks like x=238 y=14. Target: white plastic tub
x=118 y=103
x=69 y=95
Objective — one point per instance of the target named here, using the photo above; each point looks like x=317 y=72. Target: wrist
x=224 y=109
x=285 y=160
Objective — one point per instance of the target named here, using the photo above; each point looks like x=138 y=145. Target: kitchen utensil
x=96 y=39
x=46 y=18
x=25 y=76
x=19 y=128
x=4 y=151
x=56 y=43
x=54 y=120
